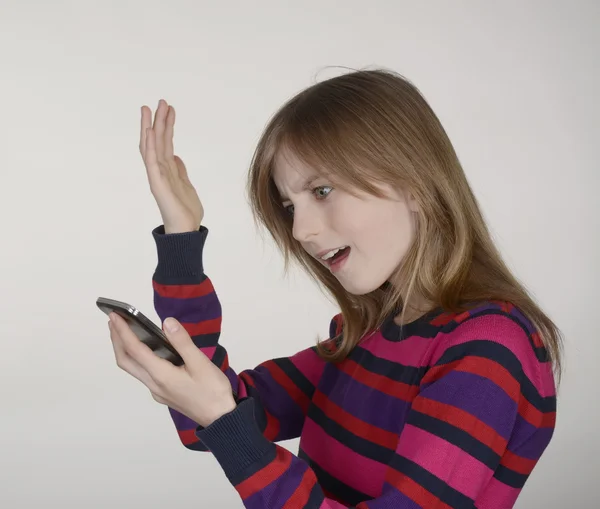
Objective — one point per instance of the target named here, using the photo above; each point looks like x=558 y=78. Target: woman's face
x=374 y=233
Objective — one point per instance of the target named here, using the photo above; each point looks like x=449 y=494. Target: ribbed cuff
x=235 y=439
x=179 y=254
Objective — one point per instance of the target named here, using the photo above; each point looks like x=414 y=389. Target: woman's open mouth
x=336 y=258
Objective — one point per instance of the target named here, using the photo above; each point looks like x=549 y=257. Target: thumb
x=180 y=339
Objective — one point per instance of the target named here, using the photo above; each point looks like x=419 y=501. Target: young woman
x=436 y=386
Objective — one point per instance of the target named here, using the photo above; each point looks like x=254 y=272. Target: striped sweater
x=449 y=411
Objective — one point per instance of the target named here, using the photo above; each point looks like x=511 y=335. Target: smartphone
x=148 y=333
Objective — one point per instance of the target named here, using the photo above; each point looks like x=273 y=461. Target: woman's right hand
x=177 y=200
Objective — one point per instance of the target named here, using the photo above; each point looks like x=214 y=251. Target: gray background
x=514 y=83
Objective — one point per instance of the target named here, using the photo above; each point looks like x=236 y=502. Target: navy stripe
x=315 y=499
x=510 y=477
x=206 y=340
x=295 y=375
x=507 y=359
x=219 y=357
x=333 y=485
x=389 y=369
x=455 y=436
x=431 y=483
x=358 y=444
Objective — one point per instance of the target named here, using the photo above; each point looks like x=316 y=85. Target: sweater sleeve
x=279 y=388
x=477 y=427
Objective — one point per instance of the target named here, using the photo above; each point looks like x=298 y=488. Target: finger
x=181 y=170
x=151 y=160
x=169 y=129
x=157 y=173
x=145 y=123
x=159 y=399
x=159 y=129
x=127 y=363
x=193 y=359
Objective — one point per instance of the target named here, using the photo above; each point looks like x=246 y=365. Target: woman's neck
x=415 y=309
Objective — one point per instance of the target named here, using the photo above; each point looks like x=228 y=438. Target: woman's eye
x=322 y=192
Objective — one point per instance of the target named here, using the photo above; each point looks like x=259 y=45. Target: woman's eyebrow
x=305 y=187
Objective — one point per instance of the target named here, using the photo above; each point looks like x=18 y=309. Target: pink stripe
x=497 y=494
x=242 y=389
x=450 y=463
x=499 y=329
x=409 y=352
x=342 y=462
x=309 y=364
x=209 y=351
x=332 y=504
x=548 y=387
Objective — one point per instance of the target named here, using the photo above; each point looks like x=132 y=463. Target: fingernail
x=171 y=325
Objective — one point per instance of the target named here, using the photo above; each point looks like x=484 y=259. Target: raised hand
x=176 y=197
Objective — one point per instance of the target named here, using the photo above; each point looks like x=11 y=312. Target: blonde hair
x=373 y=126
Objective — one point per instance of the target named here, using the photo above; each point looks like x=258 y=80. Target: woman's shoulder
x=484 y=312
x=497 y=331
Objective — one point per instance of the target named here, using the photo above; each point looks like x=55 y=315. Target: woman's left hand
x=197 y=389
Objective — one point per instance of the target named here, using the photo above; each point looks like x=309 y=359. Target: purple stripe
x=363 y=402
x=233 y=379
x=522 y=432
x=393 y=498
x=279 y=491
x=528 y=441
x=277 y=402
x=523 y=320
x=192 y=310
x=477 y=395
x=182 y=422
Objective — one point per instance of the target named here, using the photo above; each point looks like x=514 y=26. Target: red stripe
x=517 y=463
x=382 y=383
x=534 y=417
x=247 y=379
x=354 y=424
x=300 y=496
x=184 y=291
x=188 y=436
x=495 y=372
x=537 y=340
x=204 y=327
x=443 y=319
x=413 y=490
x=462 y=420
x=281 y=377
x=481 y=366
x=462 y=316
x=266 y=475
x=272 y=429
